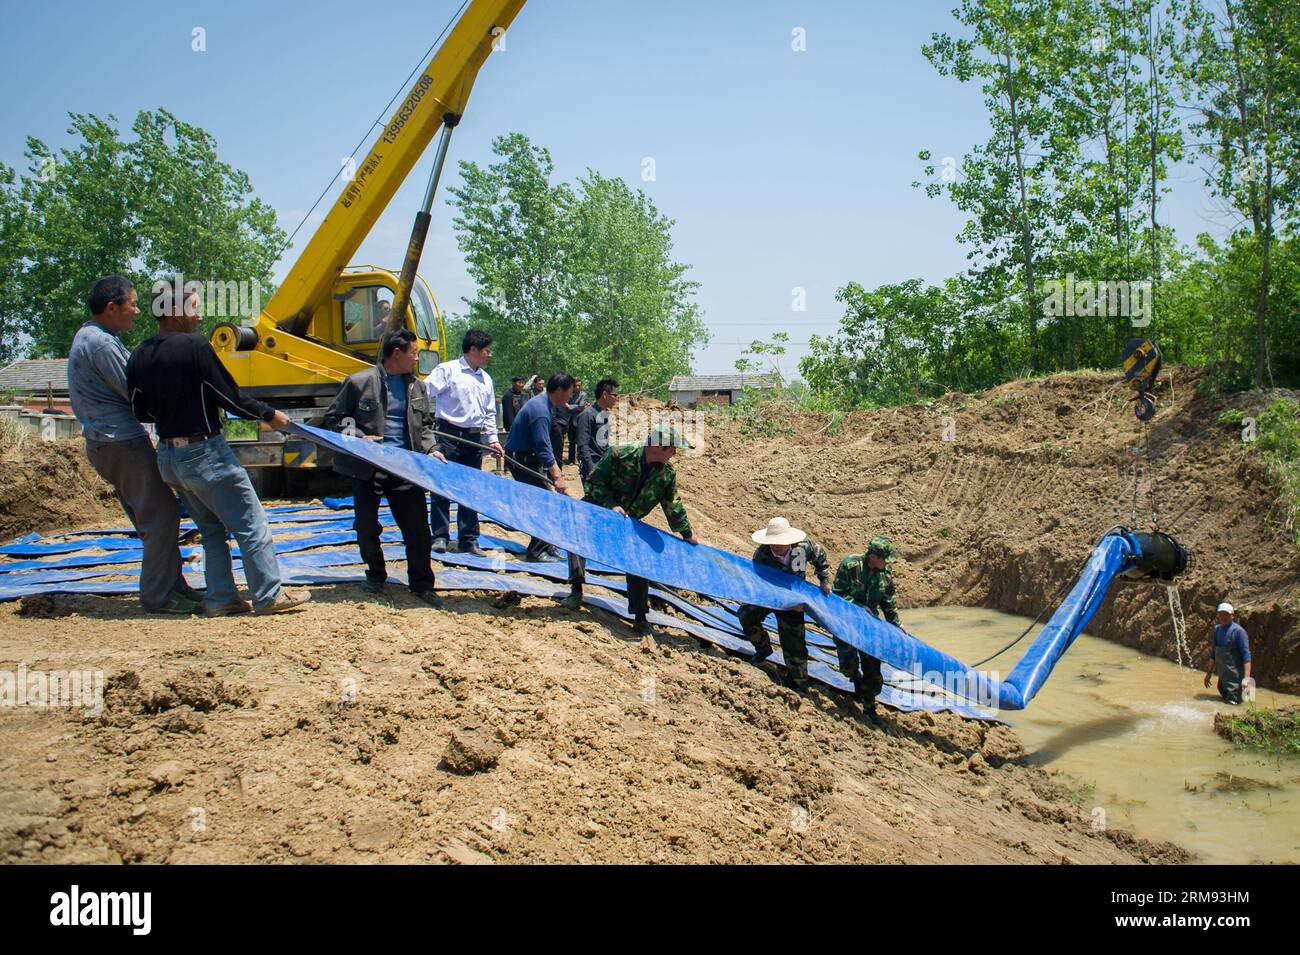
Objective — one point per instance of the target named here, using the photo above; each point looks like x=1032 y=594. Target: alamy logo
x=41 y=688
x=216 y=299
x=103 y=908
x=1085 y=298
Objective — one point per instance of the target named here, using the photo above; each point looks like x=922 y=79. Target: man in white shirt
x=465 y=405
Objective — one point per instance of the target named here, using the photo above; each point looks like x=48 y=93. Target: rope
x=382 y=118
x=475 y=444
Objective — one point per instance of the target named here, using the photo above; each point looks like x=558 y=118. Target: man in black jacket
x=512 y=401
x=592 y=431
x=387 y=403
x=176 y=381
x=577 y=405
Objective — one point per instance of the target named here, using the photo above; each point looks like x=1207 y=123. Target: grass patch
x=756 y=414
x=14 y=434
x=237 y=429
x=1278 y=442
x=1276 y=732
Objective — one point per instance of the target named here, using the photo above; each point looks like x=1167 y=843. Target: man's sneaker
x=285 y=601
x=643 y=627
x=429 y=597
x=551 y=553
x=573 y=601
x=439 y=545
x=470 y=547
x=225 y=610
x=177 y=605
x=190 y=593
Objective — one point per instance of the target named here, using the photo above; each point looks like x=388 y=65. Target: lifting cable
x=383 y=118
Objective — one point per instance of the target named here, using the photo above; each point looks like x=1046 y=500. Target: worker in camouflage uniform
x=865 y=580
x=630 y=479
x=785 y=548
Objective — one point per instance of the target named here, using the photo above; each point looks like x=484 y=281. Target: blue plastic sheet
x=635 y=547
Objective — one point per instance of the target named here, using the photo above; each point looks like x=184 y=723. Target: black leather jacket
x=362 y=401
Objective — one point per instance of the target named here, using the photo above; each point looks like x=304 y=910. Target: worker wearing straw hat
x=785 y=548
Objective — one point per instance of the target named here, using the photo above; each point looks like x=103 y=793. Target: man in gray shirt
x=119 y=447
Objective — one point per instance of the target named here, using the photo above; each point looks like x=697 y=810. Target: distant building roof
x=723 y=382
x=33 y=376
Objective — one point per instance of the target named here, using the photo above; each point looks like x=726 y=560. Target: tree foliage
x=576 y=277
x=162 y=202
x=1090 y=104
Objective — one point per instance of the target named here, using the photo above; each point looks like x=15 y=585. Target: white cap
x=1225 y=607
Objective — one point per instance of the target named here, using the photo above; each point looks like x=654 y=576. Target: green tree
x=1245 y=88
x=902 y=342
x=579 y=278
x=1010 y=184
x=15 y=318
x=160 y=203
x=634 y=306
x=512 y=223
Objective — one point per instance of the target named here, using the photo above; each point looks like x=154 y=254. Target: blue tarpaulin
x=917 y=675
x=636 y=547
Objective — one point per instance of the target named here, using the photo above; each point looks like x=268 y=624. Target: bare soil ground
x=1005 y=513
x=505 y=730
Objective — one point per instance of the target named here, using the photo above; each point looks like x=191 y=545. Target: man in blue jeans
x=119 y=448
x=176 y=380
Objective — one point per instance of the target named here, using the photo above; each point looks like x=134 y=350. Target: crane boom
x=442 y=88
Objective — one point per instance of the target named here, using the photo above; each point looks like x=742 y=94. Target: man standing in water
x=1230 y=656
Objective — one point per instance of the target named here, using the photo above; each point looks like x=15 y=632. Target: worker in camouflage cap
x=632 y=479
x=865 y=580
x=785 y=548
x=666 y=436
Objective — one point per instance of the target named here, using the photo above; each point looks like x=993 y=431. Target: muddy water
x=1134 y=735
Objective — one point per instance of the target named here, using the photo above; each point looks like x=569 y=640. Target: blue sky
x=783 y=169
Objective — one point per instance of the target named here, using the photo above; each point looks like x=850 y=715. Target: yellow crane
x=326 y=318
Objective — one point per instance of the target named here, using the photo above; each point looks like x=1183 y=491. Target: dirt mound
x=388 y=732
x=50 y=486
x=996 y=500
x=507 y=730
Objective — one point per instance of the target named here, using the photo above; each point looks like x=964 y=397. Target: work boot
x=796 y=675
x=190 y=593
x=762 y=650
x=439 y=545
x=429 y=597
x=470 y=547
x=873 y=717
x=374 y=585
x=551 y=553
x=225 y=610
x=864 y=692
x=284 y=602
x=178 y=606
x=573 y=601
x=643 y=627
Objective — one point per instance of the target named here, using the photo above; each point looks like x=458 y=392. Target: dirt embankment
x=1006 y=511
x=502 y=730
x=50 y=486
x=494 y=731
